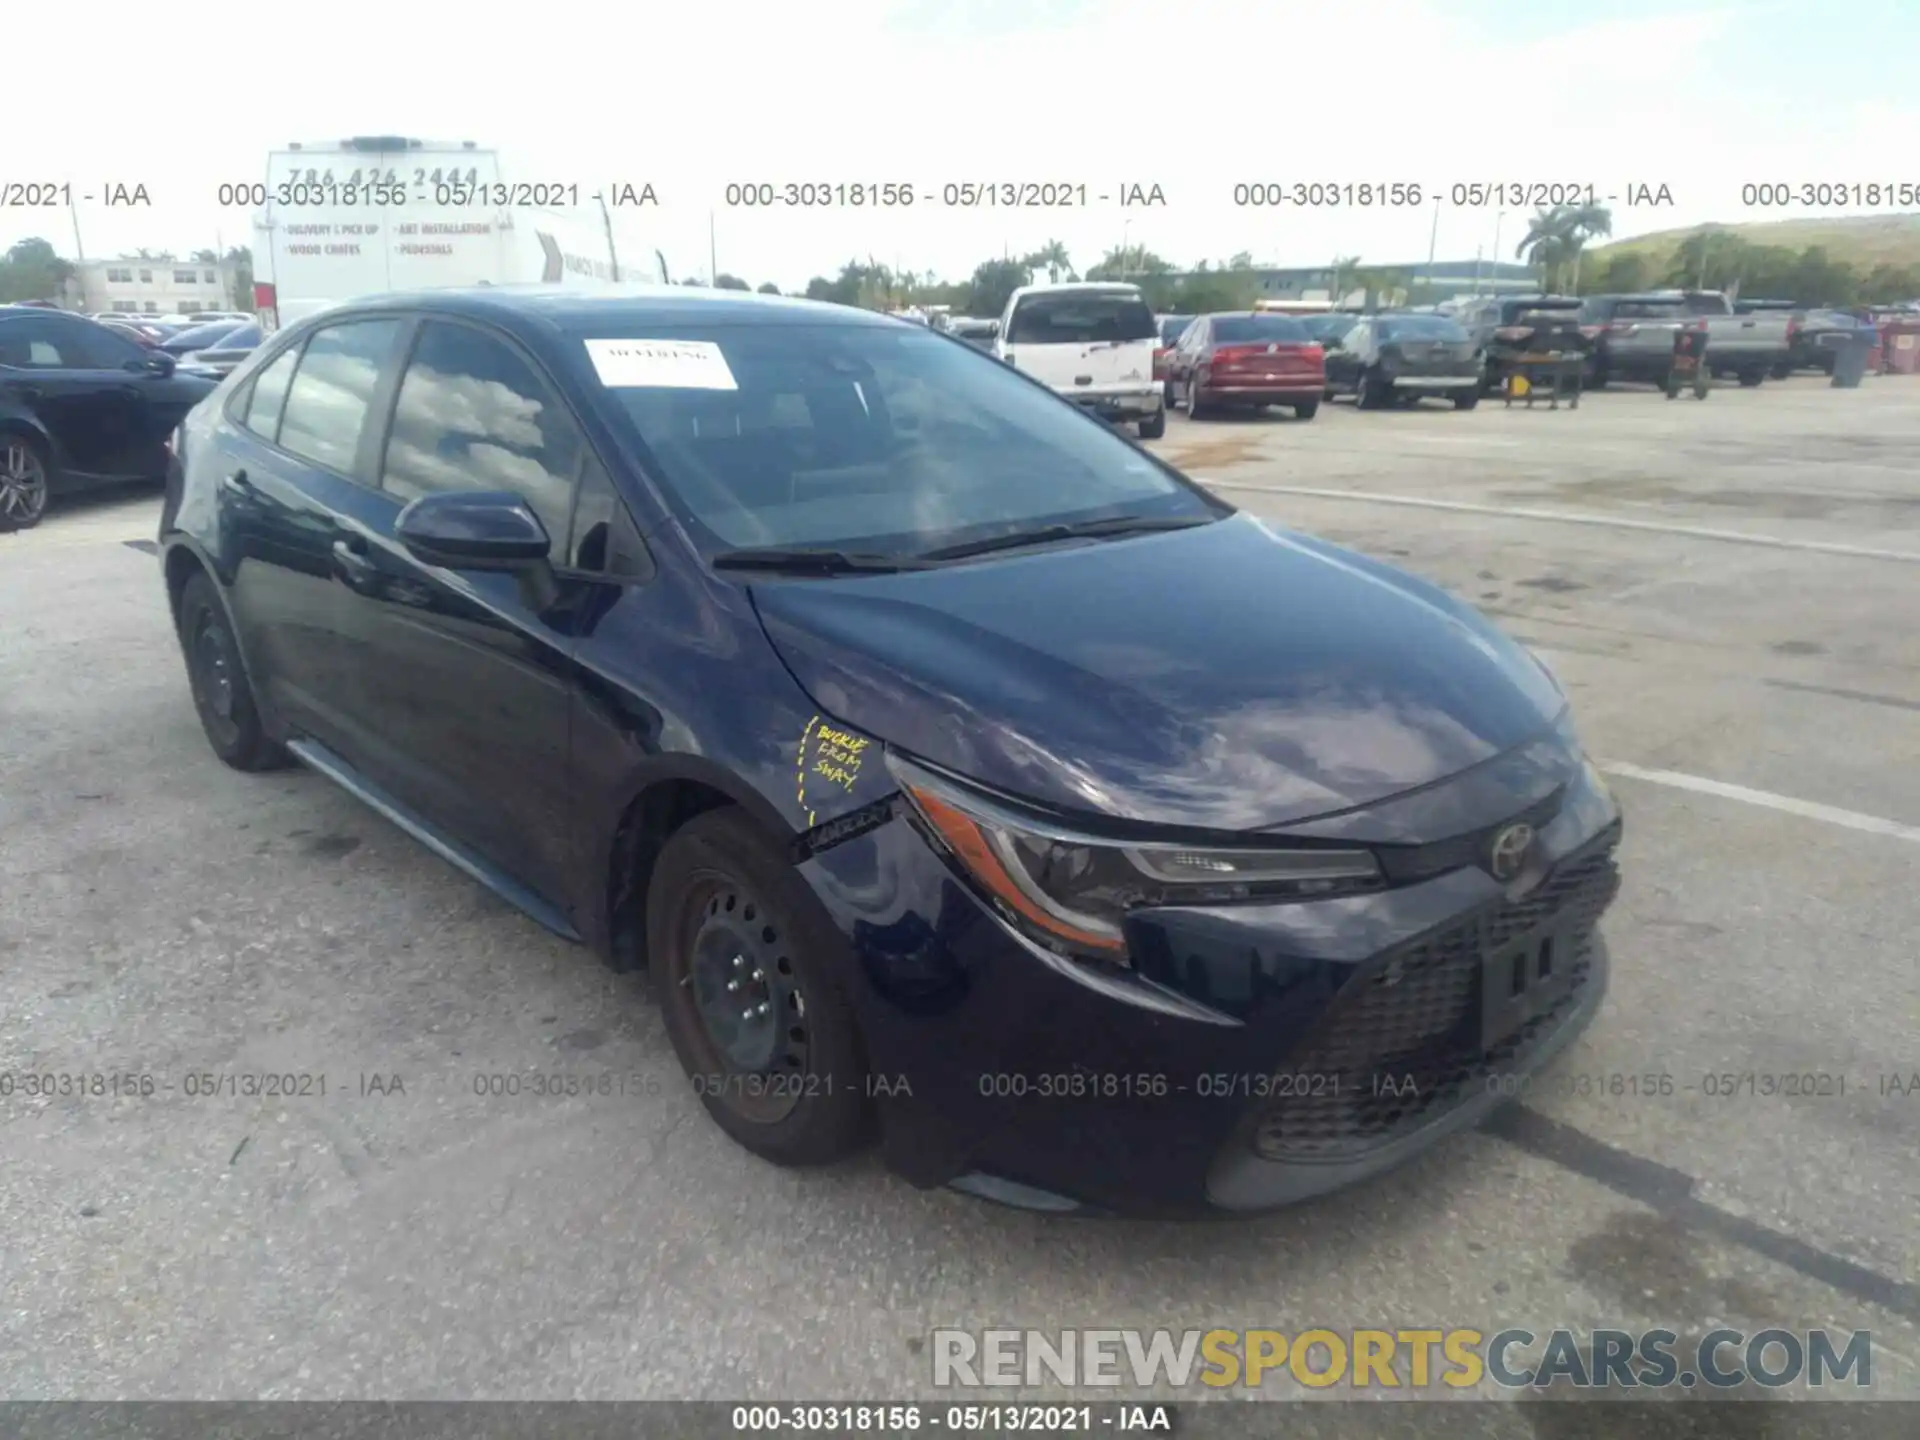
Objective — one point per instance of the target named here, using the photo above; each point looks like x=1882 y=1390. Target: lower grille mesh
x=1400 y=1045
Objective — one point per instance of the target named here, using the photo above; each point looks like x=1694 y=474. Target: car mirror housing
x=474 y=530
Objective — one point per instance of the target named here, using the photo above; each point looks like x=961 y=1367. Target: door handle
x=351 y=564
x=237 y=483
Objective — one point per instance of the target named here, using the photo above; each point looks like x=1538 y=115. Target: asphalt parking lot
x=1729 y=590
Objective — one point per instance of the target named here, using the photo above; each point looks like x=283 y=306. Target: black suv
x=1507 y=326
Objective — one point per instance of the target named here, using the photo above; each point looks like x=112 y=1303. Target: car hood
x=1234 y=676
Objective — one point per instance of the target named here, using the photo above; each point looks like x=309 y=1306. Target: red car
x=1250 y=360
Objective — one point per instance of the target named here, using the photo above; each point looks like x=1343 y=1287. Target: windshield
x=1262 y=329
x=873 y=438
x=1419 y=327
x=1081 y=319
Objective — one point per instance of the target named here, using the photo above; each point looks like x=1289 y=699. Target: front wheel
x=24 y=483
x=1154 y=427
x=1306 y=410
x=1365 y=395
x=749 y=970
x=1466 y=400
x=1751 y=378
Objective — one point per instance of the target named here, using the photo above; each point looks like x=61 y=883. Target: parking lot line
x=1571 y=517
x=1808 y=809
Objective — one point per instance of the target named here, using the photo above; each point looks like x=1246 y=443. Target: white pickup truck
x=1093 y=344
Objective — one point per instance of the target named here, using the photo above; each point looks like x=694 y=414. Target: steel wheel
x=23 y=485
x=732 y=975
x=213 y=668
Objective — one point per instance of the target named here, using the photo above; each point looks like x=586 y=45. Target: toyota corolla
x=968 y=780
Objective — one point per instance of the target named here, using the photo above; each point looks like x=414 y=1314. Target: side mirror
x=492 y=530
x=154 y=362
x=474 y=530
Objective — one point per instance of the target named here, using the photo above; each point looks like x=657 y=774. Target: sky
x=1194 y=98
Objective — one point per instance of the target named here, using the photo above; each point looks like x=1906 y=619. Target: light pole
x=1493 y=280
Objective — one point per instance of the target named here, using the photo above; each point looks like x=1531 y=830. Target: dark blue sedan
x=965 y=776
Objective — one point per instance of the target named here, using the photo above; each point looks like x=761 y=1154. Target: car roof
x=1080 y=287
x=569 y=309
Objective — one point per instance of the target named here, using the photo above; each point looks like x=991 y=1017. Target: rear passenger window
x=269 y=394
x=332 y=391
x=473 y=415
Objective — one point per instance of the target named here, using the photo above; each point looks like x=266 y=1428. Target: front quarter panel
x=676 y=681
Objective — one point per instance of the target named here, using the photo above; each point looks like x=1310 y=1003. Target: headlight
x=1071 y=891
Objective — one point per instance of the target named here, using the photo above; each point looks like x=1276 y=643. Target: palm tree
x=1545 y=245
x=1052 y=257
x=1580 y=224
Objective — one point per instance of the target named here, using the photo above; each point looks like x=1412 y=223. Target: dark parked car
x=220 y=358
x=1815 y=339
x=80 y=405
x=200 y=337
x=1242 y=360
x=878 y=701
x=1508 y=326
x=1399 y=359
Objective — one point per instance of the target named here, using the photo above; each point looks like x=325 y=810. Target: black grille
x=1400 y=1045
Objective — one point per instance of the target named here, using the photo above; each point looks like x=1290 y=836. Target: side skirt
x=318 y=757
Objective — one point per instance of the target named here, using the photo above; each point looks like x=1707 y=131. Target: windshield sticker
x=660 y=365
x=828 y=760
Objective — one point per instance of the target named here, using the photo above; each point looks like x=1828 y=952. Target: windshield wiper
x=816 y=561
x=1085 y=530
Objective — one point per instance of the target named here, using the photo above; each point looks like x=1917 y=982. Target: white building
x=154 y=287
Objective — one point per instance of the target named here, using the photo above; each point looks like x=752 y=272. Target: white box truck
x=372 y=214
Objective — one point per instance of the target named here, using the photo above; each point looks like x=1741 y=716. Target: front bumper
x=1335 y=1039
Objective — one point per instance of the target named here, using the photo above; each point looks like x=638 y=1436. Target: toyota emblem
x=1509 y=851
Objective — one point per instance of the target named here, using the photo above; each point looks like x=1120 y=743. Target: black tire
x=1306 y=410
x=1195 y=409
x=26 y=480
x=1783 y=371
x=1156 y=427
x=1751 y=378
x=1365 y=395
x=792 y=1088
x=1601 y=377
x=1466 y=400
x=223 y=692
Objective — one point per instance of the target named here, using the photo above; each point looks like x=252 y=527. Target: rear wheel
x=24 y=482
x=748 y=969
x=1196 y=405
x=222 y=689
x=1751 y=378
x=1154 y=427
x=1466 y=399
x=1306 y=410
